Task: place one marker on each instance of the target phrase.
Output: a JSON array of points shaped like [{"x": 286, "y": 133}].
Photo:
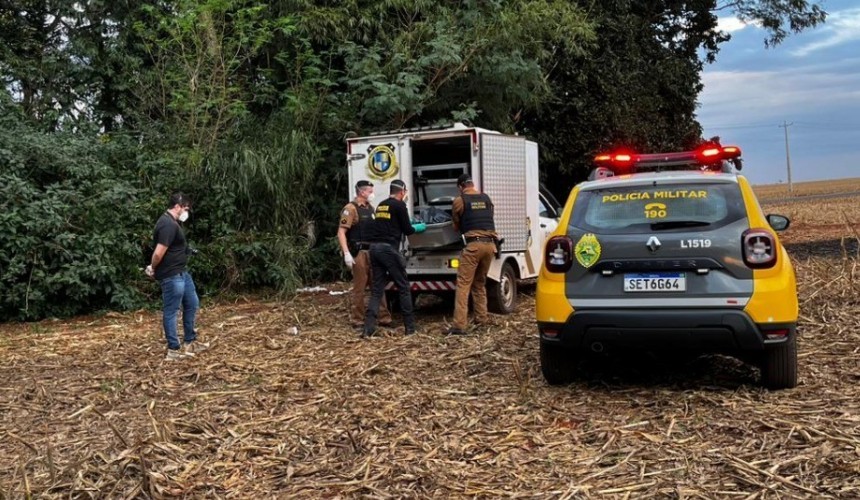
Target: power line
[
  {"x": 828, "y": 128},
  {"x": 726, "y": 127},
  {"x": 785, "y": 125},
  {"x": 804, "y": 124}
]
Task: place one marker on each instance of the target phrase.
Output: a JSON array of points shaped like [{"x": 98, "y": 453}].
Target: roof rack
[{"x": 425, "y": 128}]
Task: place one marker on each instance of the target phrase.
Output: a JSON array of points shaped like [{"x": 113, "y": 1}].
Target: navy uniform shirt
[{"x": 391, "y": 222}]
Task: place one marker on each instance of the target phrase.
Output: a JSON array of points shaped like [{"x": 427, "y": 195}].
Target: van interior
[{"x": 436, "y": 165}]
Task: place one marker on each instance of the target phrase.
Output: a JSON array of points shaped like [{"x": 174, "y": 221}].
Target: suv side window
[{"x": 626, "y": 209}]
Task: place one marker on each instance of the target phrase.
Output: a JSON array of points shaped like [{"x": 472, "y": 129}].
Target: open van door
[{"x": 503, "y": 175}]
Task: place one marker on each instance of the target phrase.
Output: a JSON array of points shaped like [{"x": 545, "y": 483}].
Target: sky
[{"x": 811, "y": 81}]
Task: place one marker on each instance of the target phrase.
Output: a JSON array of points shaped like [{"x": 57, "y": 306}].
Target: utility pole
[{"x": 785, "y": 125}]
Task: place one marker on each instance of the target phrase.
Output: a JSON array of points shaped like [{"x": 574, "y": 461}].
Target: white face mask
[
  {"x": 371, "y": 197},
  {"x": 183, "y": 216}
]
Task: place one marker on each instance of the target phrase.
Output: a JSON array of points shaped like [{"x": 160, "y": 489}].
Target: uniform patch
[
  {"x": 344, "y": 221},
  {"x": 345, "y": 212},
  {"x": 587, "y": 250}
]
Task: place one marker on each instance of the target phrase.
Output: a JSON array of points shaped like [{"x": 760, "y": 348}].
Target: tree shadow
[{"x": 676, "y": 371}]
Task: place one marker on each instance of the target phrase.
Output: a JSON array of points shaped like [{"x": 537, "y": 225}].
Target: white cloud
[
  {"x": 736, "y": 96},
  {"x": 730, "y": 24},
  {"x": 841, "y": 27}
]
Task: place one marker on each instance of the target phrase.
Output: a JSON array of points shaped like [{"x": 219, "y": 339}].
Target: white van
[{"x": 429, "y": 160}]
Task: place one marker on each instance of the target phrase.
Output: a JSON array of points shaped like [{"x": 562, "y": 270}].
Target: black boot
[{"x": 410, "y": 326}]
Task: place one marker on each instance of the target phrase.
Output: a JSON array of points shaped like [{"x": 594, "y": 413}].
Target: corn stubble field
[{"x": 89, "y": 409}]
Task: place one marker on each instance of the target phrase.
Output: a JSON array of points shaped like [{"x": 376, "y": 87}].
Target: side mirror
[{"x": 778, "y": 222}]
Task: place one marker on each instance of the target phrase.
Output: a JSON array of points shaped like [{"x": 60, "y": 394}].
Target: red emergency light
[
  {"x": 617, "y": 162},
  {"x": 706, "y": 156}
]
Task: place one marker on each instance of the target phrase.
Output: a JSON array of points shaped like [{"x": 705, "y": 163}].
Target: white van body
[{"x": 429, "y": 160}]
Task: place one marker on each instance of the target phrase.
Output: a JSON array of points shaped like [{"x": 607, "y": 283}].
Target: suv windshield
[{"x": 658, "y": 208}]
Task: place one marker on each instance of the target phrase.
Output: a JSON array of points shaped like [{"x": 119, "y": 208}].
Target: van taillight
[
  {"x": 759, "y": 248},
  {"x": 558, "y": 254}
]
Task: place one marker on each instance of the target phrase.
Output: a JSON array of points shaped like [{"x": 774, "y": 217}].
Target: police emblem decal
[
  {"x": 382, "y": 162},
  {"x": 587, "y": 250}
]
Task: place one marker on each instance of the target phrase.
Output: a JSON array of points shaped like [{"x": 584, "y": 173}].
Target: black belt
[
  {"x": 483, "y": 239},
  {"x": 361, "y": 246}
]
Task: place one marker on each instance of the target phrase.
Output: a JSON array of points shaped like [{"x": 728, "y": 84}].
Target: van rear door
[{"x": 379, "y": 160}]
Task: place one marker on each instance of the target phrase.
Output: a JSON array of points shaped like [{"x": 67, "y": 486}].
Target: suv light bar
[{"x": 708, "y": 157}]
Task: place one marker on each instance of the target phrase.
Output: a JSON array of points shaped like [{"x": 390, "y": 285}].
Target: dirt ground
[{"x": 88, "y": 408}]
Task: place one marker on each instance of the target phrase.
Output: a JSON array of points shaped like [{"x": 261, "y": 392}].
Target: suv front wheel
[{"x": 779, "y": 364}]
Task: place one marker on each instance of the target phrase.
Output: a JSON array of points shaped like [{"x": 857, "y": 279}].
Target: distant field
[
  {"x": 770, "y": 191},
  {"x": 816, "y": 212}
]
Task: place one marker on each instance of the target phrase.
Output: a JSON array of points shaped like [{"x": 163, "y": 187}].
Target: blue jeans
[{"x": 179, "y": 290}]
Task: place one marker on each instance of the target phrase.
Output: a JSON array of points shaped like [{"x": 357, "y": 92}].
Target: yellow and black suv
[{"x": 668, "y": 251}]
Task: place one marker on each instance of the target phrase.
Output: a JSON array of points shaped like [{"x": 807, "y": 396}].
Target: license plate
[{"x": 655, "y": 282}]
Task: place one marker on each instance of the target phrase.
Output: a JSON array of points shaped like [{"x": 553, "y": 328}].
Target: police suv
[{"x": 668, "y": 251}]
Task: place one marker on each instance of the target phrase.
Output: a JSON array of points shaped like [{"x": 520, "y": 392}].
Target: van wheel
[
  {"x": 779, "y": 365},
  {"x": 502, "y": 294},
  {"x": 557, "y": 364}
]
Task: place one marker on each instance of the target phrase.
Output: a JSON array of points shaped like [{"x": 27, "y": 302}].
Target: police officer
[
  {"x": 390, "y": 224},
  {"x": 352, "y": 235},
  {"x": 472, "y": 213}
]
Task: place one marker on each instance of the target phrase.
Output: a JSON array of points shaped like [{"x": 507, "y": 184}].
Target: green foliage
[
  {"x": 779, "y": 17},
  {"x": 436, "y": 60},
  {"x": 636, "y": 87},
  {"x": 107, "y": 107},
  {"x": 253, "y": 198},
  {"x": 202, "y": 81},
  {"x": 66, "y": 218}
]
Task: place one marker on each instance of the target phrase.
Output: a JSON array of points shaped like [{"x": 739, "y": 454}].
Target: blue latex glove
[{"x": 419, "y": 227}]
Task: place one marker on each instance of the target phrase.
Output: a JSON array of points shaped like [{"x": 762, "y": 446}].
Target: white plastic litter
[{"x": 312, "y": 289}]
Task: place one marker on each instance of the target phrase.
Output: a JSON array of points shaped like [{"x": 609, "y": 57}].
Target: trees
[
  {"x": 68, "y": 215},
  {"x": 778, "y": 17},
  {"x": 68, "y": 63},
  {"x": 245, "y": 103},
  {"x": 638, "y": 85}
]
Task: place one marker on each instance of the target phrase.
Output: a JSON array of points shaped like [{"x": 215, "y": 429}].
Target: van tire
[
  {"x": 502, "y": 294},
  {"x": 558, "y": 364},
  {"x": 779, "y": 364}
]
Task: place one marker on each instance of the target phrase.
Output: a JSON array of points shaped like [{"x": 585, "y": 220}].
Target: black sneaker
[
  {"x": 367, "y": 333},
  {"x": 455, "y": 331}
]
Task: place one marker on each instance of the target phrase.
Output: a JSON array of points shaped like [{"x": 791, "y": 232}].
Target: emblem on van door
[
  {"x": 587, "y": 250},
  {"x": 653, "y": 244},
  {"x": 381, "y": 162}
]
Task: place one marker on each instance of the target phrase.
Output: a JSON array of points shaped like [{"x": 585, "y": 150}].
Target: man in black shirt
[
  {"x": 385, "y": 232},
  {"x": 168, "y": 267}
]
